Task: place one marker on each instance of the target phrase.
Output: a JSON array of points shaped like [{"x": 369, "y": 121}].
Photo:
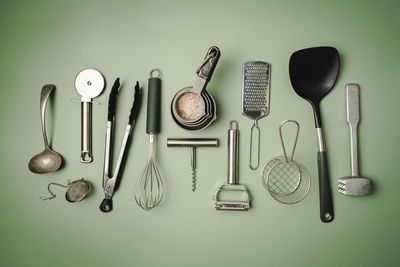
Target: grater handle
[{"x": 254, "y": 129}]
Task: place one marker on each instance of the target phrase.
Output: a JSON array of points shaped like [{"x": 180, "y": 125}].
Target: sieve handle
[
  {"x": 233, "y": 153},
  {"x": 153, "y": 105}
]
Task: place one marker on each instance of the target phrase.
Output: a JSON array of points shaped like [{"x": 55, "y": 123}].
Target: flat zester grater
[{"x": 255, "y": 98}]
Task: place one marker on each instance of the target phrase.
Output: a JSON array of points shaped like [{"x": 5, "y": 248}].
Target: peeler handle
[{"x": 233, "y": 153}]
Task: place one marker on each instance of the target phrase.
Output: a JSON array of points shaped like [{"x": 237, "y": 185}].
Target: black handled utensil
[
  {"x": 111, "y": 180},
  {"x": 313, "y": 73}
]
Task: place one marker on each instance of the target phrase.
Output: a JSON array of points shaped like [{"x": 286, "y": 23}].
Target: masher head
[
  {"x": 355, "y": 186},
  {"x": 232, "y": 197}
]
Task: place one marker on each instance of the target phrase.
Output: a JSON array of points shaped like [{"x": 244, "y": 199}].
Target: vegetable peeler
[
  {"x": 110, "y": 182},
  {"x": 232, "y": 196}
]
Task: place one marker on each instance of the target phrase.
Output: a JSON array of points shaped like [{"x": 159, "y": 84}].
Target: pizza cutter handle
[{"x": 86, "y": 132}]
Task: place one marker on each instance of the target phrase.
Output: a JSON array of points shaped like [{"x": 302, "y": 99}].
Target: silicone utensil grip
[
  {"x": 136, "y": 104},
  {"x": 153, "y": 106},
  {"x": 112, "y": 100},
  {"x": 325, "y": 194}
]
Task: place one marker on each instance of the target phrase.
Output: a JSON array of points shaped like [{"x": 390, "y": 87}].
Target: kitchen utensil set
[{"x": 313, "y": 73}]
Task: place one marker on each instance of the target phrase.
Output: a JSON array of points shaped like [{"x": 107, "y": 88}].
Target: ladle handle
[
  {"x": 44, "y": 96},
  {"x": 86, "y": 132}
]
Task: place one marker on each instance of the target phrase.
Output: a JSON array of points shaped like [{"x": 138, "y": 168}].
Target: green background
[{"x": 51, "y": 41}]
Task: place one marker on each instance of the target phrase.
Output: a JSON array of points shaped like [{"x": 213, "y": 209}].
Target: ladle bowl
[{"x": 47, "y": 161}]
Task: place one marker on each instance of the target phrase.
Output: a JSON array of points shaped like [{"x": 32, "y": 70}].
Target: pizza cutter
[{"x": 89, "y": 83}]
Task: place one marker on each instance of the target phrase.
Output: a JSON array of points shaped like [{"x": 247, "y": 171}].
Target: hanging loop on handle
[
  {"x": 256, "y": 129},
  {"x": 295, "y": 141}
]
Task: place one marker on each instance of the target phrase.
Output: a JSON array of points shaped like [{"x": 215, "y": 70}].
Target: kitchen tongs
[{"x": 110, "y": 183}]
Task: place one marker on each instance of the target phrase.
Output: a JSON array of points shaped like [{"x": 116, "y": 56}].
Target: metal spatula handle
[{"x": 353, "y": 118}]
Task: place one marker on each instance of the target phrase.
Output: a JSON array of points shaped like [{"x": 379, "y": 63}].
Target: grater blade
[{"x": 255, "y": 89}]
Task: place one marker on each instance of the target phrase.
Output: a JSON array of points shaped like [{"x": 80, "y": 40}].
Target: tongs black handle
[
  {"x": 137, "y": 100},
  {"x": 112, "y": 100},
  {"x": 207, "y": 68}
]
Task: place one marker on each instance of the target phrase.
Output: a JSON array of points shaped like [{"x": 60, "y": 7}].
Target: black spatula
[{"x": 313, "y": 72}]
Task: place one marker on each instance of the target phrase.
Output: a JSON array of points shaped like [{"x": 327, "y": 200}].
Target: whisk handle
[{"x": 153, "y": 105}]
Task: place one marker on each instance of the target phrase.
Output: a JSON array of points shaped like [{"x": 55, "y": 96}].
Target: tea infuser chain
[{"x": 51, "y": 193}]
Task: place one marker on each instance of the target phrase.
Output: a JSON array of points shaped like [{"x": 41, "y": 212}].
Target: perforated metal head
[
  {"x": 255, "y": 89},
  {"x": 77, "y": 190}
]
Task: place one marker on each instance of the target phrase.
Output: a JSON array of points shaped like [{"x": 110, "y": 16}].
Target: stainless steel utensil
[
  {"x": 89, "y": 83},
  {"x": 285, "y": 179},
  {"x": 193, "y": 108},
  {"x": 48, "y": 160},
  {"x": 313, "y": 73},
  {"x": 111, "y": 181},
  {"x": 232, "y": 195},
  {"x": 193, "y": 143},
  {"x": 149, "y": 187},
  {"x": 255, "y": 99},
  {"x": 76, "y": 190},
  {"x": 354, "y": 185}
]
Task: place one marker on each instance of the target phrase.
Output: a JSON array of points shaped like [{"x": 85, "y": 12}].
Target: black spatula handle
[{"x": 325, "y": 194}]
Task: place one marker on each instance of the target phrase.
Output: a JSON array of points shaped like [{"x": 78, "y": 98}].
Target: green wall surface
[{"x": 51, "y": 41}]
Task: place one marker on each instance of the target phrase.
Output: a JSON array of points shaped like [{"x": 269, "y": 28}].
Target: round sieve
[{"x": 286, "y": 180}]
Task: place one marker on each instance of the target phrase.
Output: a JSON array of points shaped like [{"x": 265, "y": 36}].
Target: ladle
[
  {"x": 48, "y": 160},
  {"x": 313, "y": 73}
]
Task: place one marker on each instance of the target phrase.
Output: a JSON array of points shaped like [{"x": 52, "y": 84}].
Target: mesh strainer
[
  {"x": 76, "y": 190},
  {"x": 286, "y": 180}
]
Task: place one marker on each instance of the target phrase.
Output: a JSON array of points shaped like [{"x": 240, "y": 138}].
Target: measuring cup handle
[
  {"x": 207, "y": 68},
  {"x": 86, "y": 133}
]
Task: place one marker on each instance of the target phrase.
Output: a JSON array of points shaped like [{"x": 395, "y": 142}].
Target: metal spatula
[{"x": 255, "y": 99}]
